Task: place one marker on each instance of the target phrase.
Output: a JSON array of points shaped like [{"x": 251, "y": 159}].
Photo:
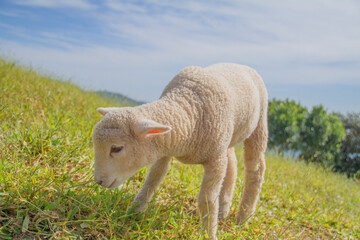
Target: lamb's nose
[{"x": 99, "y": 182}]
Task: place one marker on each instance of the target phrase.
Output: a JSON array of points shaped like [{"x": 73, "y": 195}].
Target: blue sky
[{"x": 307, "y": 50}]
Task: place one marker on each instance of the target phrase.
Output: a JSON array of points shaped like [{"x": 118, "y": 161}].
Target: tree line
[{"x": 329, "y": 139}]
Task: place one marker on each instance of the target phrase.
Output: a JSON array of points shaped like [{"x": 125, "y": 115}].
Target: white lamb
[{"x": 202, "y": 114}]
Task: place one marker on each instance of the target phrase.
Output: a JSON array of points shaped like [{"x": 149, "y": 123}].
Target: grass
[{"x": 47, "y": 188}]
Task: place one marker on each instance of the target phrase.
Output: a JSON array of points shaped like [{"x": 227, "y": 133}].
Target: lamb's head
[{"x": 123, "y": 144}]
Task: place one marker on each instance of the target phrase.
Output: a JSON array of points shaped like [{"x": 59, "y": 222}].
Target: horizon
[{"x": 307, "y": 52}]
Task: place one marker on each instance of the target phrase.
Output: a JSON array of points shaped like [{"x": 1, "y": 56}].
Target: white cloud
[
  {"x": 285, "y": 33},
  {"x": 9, "y": 13},
  {"x": 123, "y": 6},
  {"x": 297, "y": 42},
  {"x": 79, "y": 4},
  {"x": 306, "y": 31}
]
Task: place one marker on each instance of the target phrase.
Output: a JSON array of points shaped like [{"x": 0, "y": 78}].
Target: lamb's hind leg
[
  {"x": 156, "y": 174},
  {"x": 227, "y": 190},
  {"x": 254, "y": 162}
]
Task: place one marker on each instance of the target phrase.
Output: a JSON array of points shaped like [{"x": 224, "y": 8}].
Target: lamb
[{"x": 201, "y": 115}]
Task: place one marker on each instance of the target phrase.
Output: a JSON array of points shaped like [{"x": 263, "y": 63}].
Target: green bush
[
  {"x": 349, "y": 162},
  {"x": 321, "y": 137},
  {"x": 286, "y": 119},
  {"x": 315, "y": 135}
]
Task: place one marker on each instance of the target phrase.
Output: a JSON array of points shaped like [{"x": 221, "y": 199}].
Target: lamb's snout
[
  {"x": 107, "y": 182},
  {"x": 102, "y": 181}
]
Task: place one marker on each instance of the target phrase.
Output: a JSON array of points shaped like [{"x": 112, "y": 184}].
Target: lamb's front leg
[
  {"x": 156, "y": 174},
  {"x": 208, "y": 200}
]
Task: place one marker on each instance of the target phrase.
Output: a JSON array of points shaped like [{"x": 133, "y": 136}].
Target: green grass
[{"x": 47, "y": 188}]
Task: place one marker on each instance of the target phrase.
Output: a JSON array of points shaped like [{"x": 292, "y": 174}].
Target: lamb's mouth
[{"x": 113, "y": 184}]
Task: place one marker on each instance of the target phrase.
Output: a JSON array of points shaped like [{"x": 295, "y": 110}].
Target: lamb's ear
[
  {"x": 148, "y": 127},
  {"x": 104, "y": 111}
]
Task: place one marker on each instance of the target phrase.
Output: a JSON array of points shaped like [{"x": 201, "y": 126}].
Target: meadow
[{"x": 47, "y": 189}]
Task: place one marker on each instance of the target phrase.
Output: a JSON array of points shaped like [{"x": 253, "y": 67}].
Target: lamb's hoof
[
  {"x": 222, "y": 216},
  {"x": 137, "y": 208},
  {"x": 224, "y": 211},
  {"x": 240, "y": 220},
  {"x": 242, "y": 217}
]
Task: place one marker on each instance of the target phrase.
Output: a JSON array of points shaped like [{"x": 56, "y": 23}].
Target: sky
[{"x": 308, "y": 51}]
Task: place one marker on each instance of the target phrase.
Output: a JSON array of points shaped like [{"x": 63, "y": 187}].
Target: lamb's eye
[{"x": 116, "y": 149}]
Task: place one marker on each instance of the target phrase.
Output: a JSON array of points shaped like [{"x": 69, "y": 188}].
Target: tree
[
  {"x": 321, "y": 137},
  {"x": 286, "y": 119},
  {"x": 349, "y": 161}
]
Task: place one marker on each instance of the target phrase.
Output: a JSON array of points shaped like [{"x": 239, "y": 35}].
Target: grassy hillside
[{"x": 47, "y": 188}]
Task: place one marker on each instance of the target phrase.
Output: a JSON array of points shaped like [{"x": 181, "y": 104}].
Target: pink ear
[
  {"x": 152, "y": 131},
  {"x": 148, "y": 127},
  {"x": 102, "y": 111}
]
